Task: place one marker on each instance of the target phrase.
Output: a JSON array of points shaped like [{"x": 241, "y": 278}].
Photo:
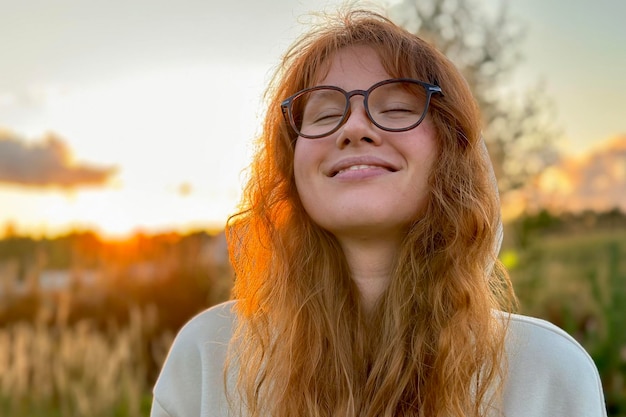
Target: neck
[{"x": 371, "y": 263}]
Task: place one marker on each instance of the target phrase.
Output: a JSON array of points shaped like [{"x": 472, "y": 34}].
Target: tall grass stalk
[{"x": 76, "y": 370}]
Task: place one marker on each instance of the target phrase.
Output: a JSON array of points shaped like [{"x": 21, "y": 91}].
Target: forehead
[{"x": 352, "y": 67}]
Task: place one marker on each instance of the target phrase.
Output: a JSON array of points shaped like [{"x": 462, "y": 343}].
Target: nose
[{"x": 358, "y": 128}]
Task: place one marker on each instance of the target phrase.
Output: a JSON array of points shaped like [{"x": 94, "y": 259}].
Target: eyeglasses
[{"x": 395, "y": 105}]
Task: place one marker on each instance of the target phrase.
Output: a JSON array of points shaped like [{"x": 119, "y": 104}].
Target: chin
[{"x": 366, "y": 227}]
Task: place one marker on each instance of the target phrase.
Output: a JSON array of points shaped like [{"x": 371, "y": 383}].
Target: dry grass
[
  {"x": 94, "y": 347},
  {"x": 76, "y": 370}
]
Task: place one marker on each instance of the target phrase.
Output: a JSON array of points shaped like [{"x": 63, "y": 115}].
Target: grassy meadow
[
  {"x": 93, "y": 345},
  {"x": 575, "y": 277},
  {"x": 90, "y": 342}
]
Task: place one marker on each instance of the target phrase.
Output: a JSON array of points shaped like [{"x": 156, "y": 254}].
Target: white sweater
[{"x": 550, "y": 374}]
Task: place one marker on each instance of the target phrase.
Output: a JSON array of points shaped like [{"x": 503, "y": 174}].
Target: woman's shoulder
[
  {"x": 191, "y": 379},
  {"x": 545, "y": 340},
  {"x": 213, "y": 325},
  {"x": 549, "y": 370}
]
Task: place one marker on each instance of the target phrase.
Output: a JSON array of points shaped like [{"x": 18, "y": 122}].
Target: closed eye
[
  {"x": 325, "y": 118},
  {"x": 399, "y": 109}
]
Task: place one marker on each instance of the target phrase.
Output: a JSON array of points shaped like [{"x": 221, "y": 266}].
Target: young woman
[{"x": 367, "y": 282}]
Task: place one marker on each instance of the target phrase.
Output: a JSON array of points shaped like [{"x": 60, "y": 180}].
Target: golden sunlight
[
  {"x": 555, "y": 181},
  {"x": 178, "y": 139}
]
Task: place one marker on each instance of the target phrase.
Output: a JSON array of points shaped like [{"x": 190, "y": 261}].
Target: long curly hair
[{"x": 434, "y": 343}]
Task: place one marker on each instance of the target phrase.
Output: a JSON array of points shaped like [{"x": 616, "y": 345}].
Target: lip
[{"x": 370, "y": 161}]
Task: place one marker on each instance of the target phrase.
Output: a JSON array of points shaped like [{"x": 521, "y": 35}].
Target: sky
[{"x": 123, "y": 115}]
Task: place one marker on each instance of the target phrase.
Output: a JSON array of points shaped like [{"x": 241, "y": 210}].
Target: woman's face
[{"x": 362, "y": 181}]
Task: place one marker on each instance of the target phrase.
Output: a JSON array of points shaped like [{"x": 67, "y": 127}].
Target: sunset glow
[
  {"x": 162, "y": 134},
  {"x": 151, "y": 126}
]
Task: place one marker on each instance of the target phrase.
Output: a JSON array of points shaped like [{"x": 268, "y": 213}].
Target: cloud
[
  {"x": 595, "y": 181},
  {"x": 47, "y": 162}
]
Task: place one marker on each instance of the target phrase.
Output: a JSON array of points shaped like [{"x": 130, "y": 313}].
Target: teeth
[{"x": 355, "y": 168}]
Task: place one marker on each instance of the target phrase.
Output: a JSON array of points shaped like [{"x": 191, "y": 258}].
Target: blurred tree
[{"x": 518, "y": 128}]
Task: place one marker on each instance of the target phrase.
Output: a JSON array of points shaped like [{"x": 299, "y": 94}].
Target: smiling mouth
[{"x": 360, "y": 168}]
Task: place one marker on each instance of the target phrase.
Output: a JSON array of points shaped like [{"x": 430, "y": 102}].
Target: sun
[{"x": 179, "y": 138}]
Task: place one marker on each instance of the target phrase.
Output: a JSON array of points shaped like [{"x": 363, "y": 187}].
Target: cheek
[
  {"x": 306, "y": 171},
  {"x": 298, "y": 161},
  {"x": 301, "y": 170}
]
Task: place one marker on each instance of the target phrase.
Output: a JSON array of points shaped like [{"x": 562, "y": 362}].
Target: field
[
  {"x": 92, "y": 346},
  {"x": 579, "y": 283},
  {"x": 86, "y": 325}
]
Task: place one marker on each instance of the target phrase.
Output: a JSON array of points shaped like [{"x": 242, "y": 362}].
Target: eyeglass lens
[{"x": 393, "y": 106}]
